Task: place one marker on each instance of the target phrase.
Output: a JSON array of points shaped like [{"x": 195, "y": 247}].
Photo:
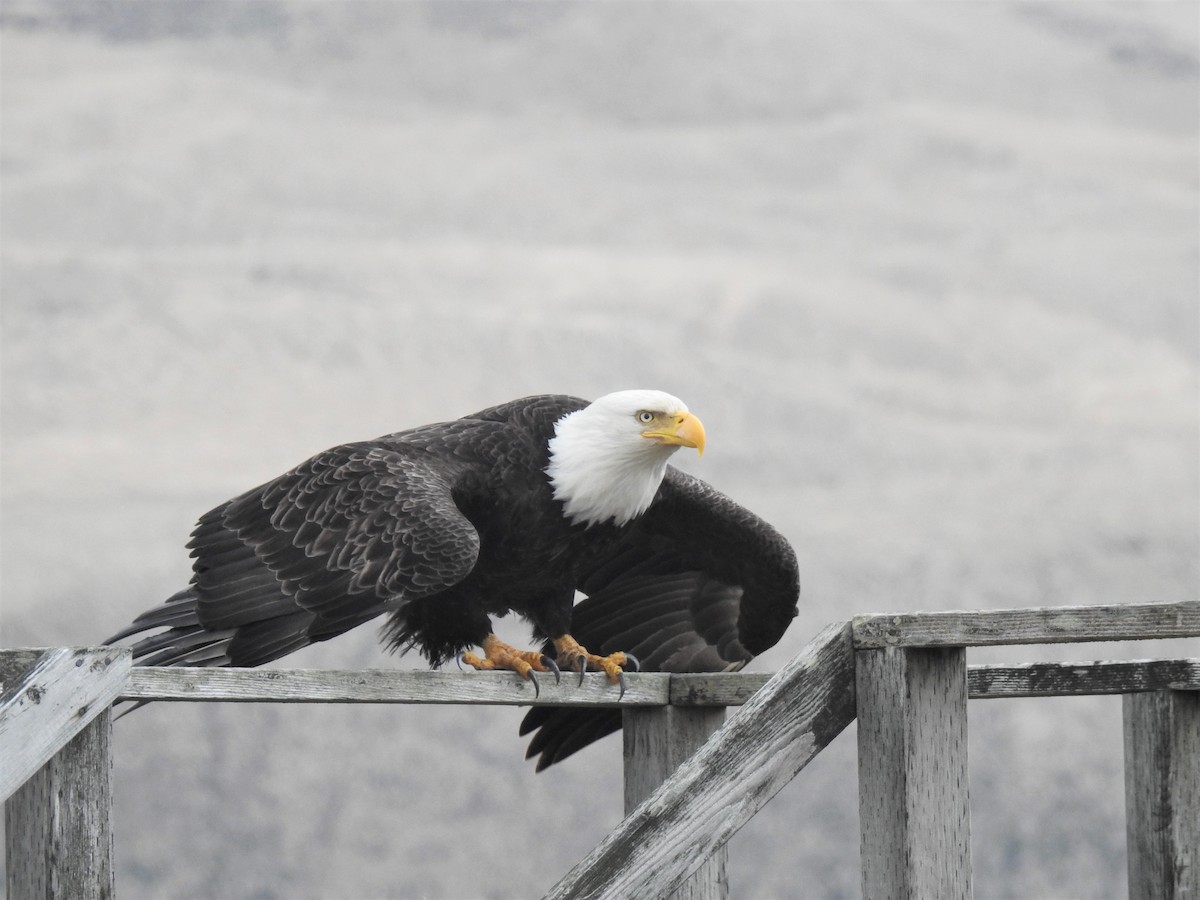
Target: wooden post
[
  {"x": 58, "y": 824},
  {"x": 657, "y": 741},
  {"x": 1162, "y": 794},
  {"x": 912, "y": 773}
]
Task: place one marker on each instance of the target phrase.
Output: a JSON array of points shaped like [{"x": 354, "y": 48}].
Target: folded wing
[
  {"x": 352, "y": 532},
  {"x": 700, "y": 585}
]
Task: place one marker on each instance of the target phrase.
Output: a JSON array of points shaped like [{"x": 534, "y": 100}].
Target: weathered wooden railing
[{"x": 690, "y": 782}]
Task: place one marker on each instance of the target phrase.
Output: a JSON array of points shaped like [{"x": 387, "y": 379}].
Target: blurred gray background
[{"x": 927, "y": 271}]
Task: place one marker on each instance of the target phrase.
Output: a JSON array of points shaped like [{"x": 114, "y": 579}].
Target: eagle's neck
[{"x": 603, "y": 474}]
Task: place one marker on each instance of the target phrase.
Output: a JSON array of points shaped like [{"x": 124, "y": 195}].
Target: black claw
[
  {"x": 458, "y": 661},
  {"x": 553, "y": 667},
  {"x": 621, "y": 682},
  {"x": 582, "y": 663},
  {"x": 536, "y": 690},
  {"x": 631, "y": 663}
]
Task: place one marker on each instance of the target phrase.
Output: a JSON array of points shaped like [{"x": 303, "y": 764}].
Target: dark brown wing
[
  {"x": 700, "y": 585},
  {"x": 350, "y": 533}
]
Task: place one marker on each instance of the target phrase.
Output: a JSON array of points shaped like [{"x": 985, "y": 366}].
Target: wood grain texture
[
  {"x": 912, "y": 773},
  {"x": 723, "y": 689},
  {"x": 656, "y": 742},
  {"x": 1039, "y": 625},
  {"x": 58, "y": 824},
  {"x": 389, "y": 686},
  {"x": 760, "y": 749},
  {"x": 51, "y": 702},
  {"x": 1162, "y": 794}
]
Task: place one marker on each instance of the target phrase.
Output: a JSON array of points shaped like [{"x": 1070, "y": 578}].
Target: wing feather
[{"x": 347, "y": 535}]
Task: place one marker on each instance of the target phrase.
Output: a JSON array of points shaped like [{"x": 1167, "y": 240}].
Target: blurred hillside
[{"x": 928, "y": 272}]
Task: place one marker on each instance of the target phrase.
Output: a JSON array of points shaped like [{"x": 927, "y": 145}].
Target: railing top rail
[
  {"x": 645, "y": 689},
  {"x": 1034, "y": 625},
  {"x": 391, "y": 686}
]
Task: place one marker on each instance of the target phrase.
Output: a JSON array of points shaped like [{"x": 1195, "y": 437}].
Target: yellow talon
[
  {"x": 570, "y": 653},
  {"x": 499, "y": 655}
]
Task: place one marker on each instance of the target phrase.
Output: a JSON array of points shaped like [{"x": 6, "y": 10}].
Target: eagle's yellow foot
[
  {"x": 574, "y": 657},
  {"x": 499, "y": 655}
]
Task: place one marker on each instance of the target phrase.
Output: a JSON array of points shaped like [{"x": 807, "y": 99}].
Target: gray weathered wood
[
  {"x": 389, "y": 686},
  {"x": 51, "y": 702},
  {"x": 58, "y": 824},
  {"x": 760, "y": 749},
  {"x": 912, "y": 773},
  {"x": 1162, "y": 794},
  {"x": 1061, "y": 679},
  {"x": 657, "y": 742},
  {"x": 1035, "y": 625}
]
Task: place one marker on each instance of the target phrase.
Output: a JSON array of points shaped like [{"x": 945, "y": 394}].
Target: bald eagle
[{"x": 512, "y": 509}]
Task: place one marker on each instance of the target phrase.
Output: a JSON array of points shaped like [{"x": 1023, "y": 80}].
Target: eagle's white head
[{"x": 608, "y": 459}]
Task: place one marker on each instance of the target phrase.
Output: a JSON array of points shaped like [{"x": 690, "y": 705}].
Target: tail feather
[
  {"x": 185, "y": 642},
  {"x": 188, "y": 641},
  {"x": 560, "y": 731},
  {"x": 178, "y": 609},
  {"x": 206, "y": 654},
  {"x": 181, "y": 640}
]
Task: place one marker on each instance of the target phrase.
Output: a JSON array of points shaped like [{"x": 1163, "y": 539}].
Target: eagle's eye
[{"x": 645, "y": 417}]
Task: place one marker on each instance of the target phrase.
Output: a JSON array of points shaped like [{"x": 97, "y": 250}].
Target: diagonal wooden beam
[
  {"x": 51, "y": 701},
  {"x": 760, "y": 749}
]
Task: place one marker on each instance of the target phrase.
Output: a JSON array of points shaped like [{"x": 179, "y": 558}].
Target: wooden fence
[{"x": 690, "y": 781}]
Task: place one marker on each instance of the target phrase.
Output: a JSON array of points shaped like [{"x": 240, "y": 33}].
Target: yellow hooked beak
[{"x": 681, "y": 430}]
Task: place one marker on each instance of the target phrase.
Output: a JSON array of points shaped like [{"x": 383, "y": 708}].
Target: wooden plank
[
  {"x": 912, "y": 773},
  {"x": 51, "y": 703},
  {"x": 657, "y": 741},
  {"x": 1162, "y": 794},
  {"x": 1039, "y": 625},
  {"x": 389, "y": 686},
  {"x": 58, "y": 824},
  {"x": 760, "y": 749},
  {"x": 1081, "y": 678}
]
